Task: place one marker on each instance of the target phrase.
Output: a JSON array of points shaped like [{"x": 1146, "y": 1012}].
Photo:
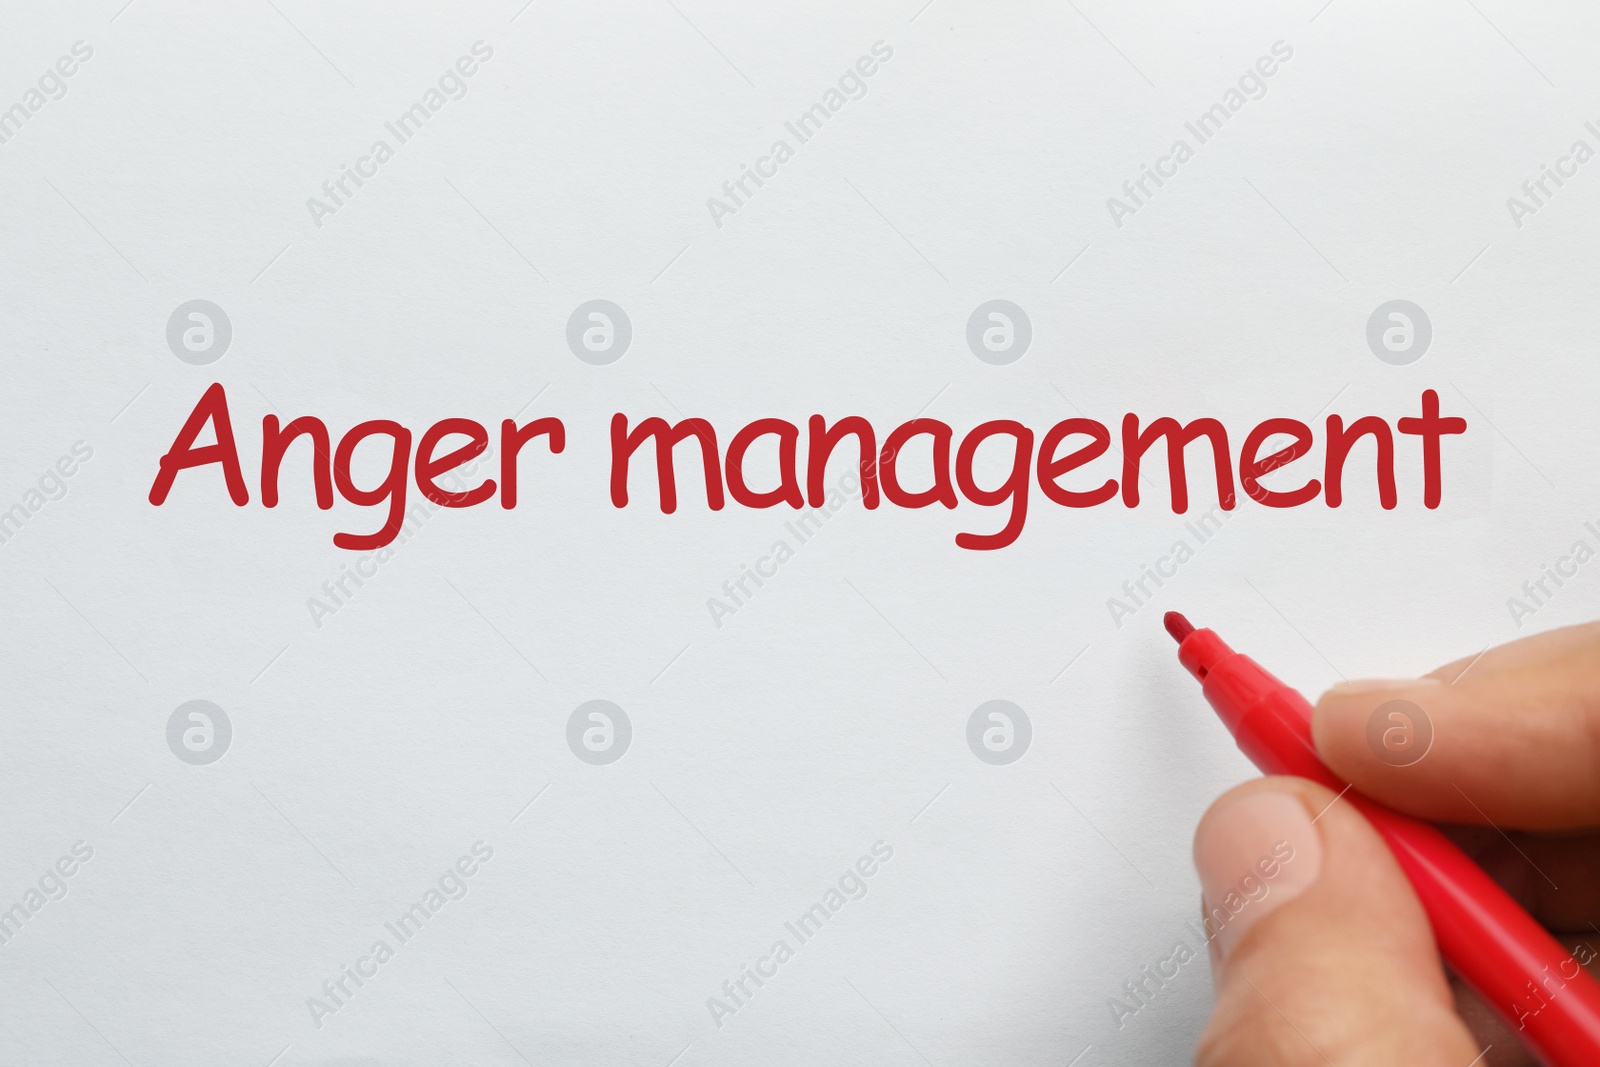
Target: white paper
[{"x": 375, "y": 742}]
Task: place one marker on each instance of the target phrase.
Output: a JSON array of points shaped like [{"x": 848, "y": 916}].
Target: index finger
[{"x": 1511, "y": 740}]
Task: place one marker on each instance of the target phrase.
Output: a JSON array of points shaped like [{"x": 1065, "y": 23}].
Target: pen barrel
[
  {"x": 1513, "y": 964},
  {"x": 1270, "y": 722},
  {"x": 1538, "y": 987}
]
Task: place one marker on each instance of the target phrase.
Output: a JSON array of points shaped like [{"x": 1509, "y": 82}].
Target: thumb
[{"x": 1321, "y": 952}]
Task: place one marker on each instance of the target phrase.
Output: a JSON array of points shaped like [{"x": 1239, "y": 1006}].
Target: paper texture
[{"x": 420, "y": 722}]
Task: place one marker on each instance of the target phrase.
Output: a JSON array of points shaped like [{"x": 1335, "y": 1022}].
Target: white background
[{"x": 830, "y": 710}]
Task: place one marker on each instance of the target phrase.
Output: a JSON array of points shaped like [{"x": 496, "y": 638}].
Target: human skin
[{"x": 1337, "y": 964}]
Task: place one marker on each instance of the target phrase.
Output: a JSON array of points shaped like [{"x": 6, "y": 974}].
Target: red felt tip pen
[{"x": 1507, "y": 958}]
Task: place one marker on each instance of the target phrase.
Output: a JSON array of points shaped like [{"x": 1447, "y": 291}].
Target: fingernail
[
  {"x": 1379, "y": 686},
  {"x": 1254, "y": 854},
  {"x": 1389, "y": 713}
]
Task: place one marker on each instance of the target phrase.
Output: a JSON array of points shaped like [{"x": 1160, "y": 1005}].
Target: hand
[{"x": 1326, "y": 957}]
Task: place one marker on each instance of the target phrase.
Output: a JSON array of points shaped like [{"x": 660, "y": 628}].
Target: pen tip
[{"x": 1178, "y": 626}]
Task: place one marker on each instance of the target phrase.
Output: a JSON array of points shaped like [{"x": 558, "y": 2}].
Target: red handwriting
[{"x": 1013, "y": 465}]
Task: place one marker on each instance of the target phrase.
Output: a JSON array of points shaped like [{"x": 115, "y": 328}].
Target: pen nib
[{"x": 1178, "y": 626}]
